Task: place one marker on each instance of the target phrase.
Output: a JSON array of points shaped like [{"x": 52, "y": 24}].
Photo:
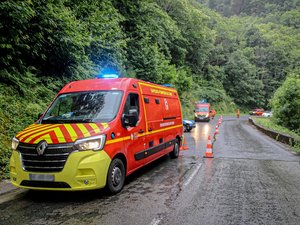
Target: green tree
[
  {"x": 43, "y": 38},
  {"x": 193, "y": 24},
  {"x": 241, "y": 83},
  {"x": 250, "y": 7},
  {"x": 286, "y": 102},
  {"x": 108, "y": 42},
  {"x": 153, "y": 39}
]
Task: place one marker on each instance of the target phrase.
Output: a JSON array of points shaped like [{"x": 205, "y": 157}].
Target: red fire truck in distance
[
  {"x": 95, "y": 133},
  {"x": 202, "y": 112}
]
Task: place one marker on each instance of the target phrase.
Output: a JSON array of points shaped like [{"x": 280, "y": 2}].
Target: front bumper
[
  {"x": 84, "y": 170},
  {"x": 201, "y": 118}
]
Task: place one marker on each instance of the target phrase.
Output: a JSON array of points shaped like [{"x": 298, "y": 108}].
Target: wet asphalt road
[{"x": 252, "y": 179}]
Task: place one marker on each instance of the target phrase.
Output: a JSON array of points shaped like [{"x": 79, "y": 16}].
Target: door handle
[
  {"x": 141, "y": 131},
  {"x": 150, "y": 129}
]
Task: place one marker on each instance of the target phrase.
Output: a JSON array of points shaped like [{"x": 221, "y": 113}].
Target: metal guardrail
[{"x": 284, "y": 138}]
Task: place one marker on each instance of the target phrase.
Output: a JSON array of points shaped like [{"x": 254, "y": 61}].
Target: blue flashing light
[
  {"x": 110, "y": 76},
  {"x": 203, "y": 100},
  {"x": 167, "y": 85},
  {"x": 108, "y": 73}
]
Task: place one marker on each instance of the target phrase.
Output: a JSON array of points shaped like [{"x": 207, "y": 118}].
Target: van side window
[{"x": 132, "y": 102}]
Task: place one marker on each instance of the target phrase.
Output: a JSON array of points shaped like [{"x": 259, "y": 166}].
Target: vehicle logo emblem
[{"x": 40, "y": 148}]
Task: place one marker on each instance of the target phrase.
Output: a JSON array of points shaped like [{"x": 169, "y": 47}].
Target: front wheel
[
  {"x": 116, "y": 176},
  {"x": 175, "y": 153}
]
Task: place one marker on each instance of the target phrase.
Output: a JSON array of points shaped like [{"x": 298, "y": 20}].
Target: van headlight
[
  {"x": 91, "y": 143},
  {"x": 14, "y": 143}
]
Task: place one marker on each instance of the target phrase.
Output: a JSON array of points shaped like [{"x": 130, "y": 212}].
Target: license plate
[{"x": 41, "y": 177}]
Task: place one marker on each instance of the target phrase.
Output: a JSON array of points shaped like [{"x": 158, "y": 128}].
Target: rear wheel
[
  {"x": 175, "y": 153},
  {"x": 116, "y": 176}
]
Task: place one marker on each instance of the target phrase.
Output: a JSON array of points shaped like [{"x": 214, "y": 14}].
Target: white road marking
[
  {"x": 156, "y": 221},
  {"x": 192, "y": 175}
]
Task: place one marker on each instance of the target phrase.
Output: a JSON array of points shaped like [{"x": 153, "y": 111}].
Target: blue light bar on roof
[
  {"x": 108, "y": 73},
  {"x": 167, "y": 85},
  {"x": 110, "y": 76}
]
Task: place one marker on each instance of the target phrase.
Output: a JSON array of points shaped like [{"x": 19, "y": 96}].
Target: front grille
[
  {"x": 52, "y": 160},
  {"x": 44, "y": 184}
]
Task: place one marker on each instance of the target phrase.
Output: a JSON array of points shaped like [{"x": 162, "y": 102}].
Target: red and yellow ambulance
[{"x": 95, "y": 133}]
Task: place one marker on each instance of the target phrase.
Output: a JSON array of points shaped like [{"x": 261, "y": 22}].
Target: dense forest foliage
[
  {"x": 252, "y": 7},
  {"x": 235, "y": 53}
]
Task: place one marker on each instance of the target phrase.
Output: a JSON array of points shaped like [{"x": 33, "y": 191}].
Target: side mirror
[{"x": 130, "y": 119}]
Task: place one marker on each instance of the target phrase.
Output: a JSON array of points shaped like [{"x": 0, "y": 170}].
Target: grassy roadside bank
[{"x": 270, "y": 124}]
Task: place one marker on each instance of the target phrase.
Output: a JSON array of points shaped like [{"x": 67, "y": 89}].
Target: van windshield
[
  {"x": 202, "y": 109},
  {"x": 84, "y": 107}
]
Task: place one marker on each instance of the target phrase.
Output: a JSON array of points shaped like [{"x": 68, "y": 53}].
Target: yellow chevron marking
[
  {"x": 59, "y": 135},
  {"x": 39, "y": 133},
  {"x": 83, "y": 130},
  {"x": 44, "y": 137},
  {"x": 95, "y": 127},
  {"x": 105, "y": 125},
  {"x": 31, "y": 127},
  {"x": 38, "y": 126},
  {"x": 33, "y": 130},
  {"x": 71, "y": 131}
]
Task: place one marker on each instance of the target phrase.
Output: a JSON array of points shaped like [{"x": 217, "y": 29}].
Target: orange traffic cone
[
  {"x": 220, "y": 121},
  {"x": 217, "y": 130},
  {"x": 184, "y": 145},
  {"x": 208, "y": 152}
]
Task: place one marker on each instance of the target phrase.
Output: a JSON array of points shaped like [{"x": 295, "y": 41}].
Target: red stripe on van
[{"x": 77, "y": 130}]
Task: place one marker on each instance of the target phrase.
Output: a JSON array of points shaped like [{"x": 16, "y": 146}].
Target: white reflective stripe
[{"x": 192, "y": 175}]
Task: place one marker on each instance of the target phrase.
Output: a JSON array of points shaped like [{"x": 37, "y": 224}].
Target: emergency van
[
  {"x": 95, "y": 133},
  {"x": 202, "y": 112}
]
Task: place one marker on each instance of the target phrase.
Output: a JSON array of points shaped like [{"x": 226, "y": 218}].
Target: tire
[
  {"x": 115, "y": 176},
  {"x": 188, "y": 127},
  {"x": 175, "y": 153}
]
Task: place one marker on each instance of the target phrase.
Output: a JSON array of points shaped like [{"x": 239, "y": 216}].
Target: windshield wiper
[
  {"x": 60, "y": 121},
  {"x": 53, "y": 121},
  {"x": 79, "y": 121}
]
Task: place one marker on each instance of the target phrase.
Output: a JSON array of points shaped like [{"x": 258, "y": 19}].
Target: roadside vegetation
[
  {"x": 286, "y": 103},
  {"x": 236, "y": 54},
  {"x": 269, "y": 123}
]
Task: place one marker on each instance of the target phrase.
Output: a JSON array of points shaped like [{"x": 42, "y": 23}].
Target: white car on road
[{"x": 267, "y": 114}]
